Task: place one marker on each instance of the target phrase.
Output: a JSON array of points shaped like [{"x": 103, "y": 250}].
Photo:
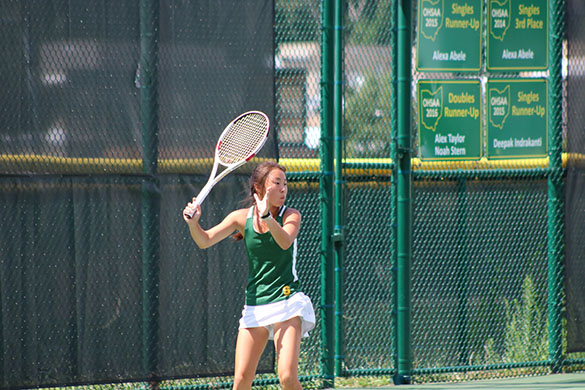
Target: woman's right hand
[{"x": 191, "y": 208}]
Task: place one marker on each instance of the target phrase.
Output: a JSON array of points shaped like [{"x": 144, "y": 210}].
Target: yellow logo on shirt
[{"x": 286, "y": 291}]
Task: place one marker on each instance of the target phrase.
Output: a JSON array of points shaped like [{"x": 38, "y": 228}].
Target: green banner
[
  {"x": 449, "y": 35},
  {"x": 517, "y": 35},
  {"x": 517, "y": 118},
  {"x": 449, "y": 119}
]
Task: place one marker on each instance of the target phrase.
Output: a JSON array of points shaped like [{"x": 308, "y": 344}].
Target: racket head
[{"x": 242, "y": 138}]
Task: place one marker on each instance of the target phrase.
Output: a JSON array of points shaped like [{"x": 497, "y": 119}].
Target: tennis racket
[{"x": 237, "y": 144}]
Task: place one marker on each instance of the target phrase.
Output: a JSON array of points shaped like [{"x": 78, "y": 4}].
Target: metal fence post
[
  {"x": 147, "y": 79},
  {"x": 326, "y": 194},
  {"x": 339, "y": 186},
  {"x": 555, "y": 187},
  {"x": 404, "y": 194}
]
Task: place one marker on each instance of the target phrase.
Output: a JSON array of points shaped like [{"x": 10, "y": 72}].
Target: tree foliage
[{"x": 368, "y": 117}]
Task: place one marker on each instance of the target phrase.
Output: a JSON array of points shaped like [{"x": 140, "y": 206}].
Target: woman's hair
[{"x": 258, "y": 178}]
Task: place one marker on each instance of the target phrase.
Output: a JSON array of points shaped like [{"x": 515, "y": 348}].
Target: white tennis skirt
[{"x": 298, "y": 305}]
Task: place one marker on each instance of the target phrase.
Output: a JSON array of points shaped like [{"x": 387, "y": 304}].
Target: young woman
[{"x": 275, "y": 307}]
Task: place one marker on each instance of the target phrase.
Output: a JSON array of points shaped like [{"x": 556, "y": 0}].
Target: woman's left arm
[{"x": 285, "y": 235}]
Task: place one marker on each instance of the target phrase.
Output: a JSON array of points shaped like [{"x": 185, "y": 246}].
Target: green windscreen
[{"x": 100, "y": 280}]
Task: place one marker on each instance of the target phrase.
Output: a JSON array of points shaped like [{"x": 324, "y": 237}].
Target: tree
[
  {"x": 369, "y": 22},
  {"x": 368, "y": 118}
]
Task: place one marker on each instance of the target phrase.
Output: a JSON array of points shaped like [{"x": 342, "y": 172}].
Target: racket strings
[{"x": 243, "y": 138}]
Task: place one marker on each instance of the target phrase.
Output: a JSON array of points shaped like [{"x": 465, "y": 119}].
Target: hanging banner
[
  {"x": 517, "y": 36},
  {"x": 517, "y": 118},
  {"x": 449, "y": 35},
  {"x": 449, "y": 119}
]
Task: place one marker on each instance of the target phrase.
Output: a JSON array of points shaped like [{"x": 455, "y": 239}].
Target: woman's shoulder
[
  {"x": 289, "y": 211},
  {"x": 239, "y": 213},
  {"x": 238, "y": 216}
]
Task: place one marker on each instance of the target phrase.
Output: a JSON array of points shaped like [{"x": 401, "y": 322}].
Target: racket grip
[{"x": 199, "y": 199}]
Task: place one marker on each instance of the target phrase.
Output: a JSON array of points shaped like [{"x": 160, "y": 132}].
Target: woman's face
[{"x": 277, "y": 185}]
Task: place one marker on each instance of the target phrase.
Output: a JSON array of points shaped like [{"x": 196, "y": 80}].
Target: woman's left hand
[{"x": 262, "y": 204}]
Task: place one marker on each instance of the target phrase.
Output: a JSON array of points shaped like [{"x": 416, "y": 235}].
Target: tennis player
[{"x": 275, "y": 309}]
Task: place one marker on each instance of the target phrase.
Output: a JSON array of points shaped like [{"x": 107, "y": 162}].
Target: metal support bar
[
  {"x": 338, "y": 235},
  {"x": 404, "y": 195},
  {"x": 147, "y": 80},
  {"x": 327, "y": 306},
  {"x": 555, "y": 187}
]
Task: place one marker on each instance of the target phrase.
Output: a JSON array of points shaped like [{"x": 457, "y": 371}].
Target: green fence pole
[
  {"x": 393, "y": 345},
  {"x": 339, "y": 185},
  {"x": 147, "y": 79},
  {"x": 404, "y": 195},
  {"x": 326, "y": 193},
  {"x": 555, "y": 187}
]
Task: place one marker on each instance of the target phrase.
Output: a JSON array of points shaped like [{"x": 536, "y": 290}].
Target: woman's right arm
[{"x": 236, "y": 220}]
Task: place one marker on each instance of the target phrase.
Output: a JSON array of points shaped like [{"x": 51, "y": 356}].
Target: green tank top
[{"x": 272, "y": 276}]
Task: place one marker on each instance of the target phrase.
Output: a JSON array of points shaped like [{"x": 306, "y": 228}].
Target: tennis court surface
[{"x": 571, "y": 381}]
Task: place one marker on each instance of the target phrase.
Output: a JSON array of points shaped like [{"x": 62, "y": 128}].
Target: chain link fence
[{"x": 108, "y": 123}]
